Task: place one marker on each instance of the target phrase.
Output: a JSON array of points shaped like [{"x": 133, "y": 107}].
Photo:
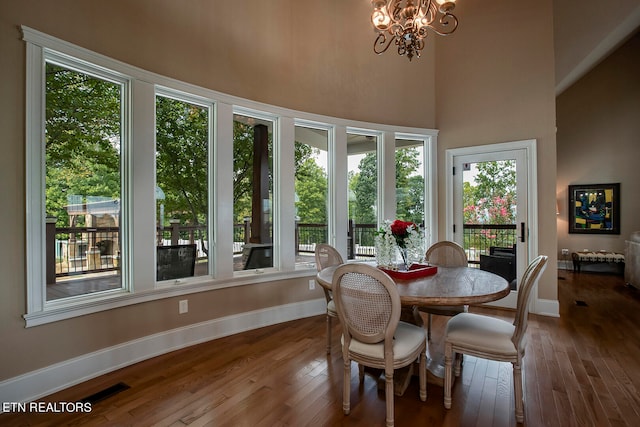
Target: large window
[
  {"x": 252, "y": 193},
  {"x": 182, "y": 187},
  {"x": 362, "y": 175},
  {"x": 130, "y": 174},
  {"x": 410, "y": 181},
  {"x": 311, "y": 190},
  {"x": 83, "y": 179}
]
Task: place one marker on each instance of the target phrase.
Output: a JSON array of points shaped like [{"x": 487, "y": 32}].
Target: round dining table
[{"x": 448, "y": 286}]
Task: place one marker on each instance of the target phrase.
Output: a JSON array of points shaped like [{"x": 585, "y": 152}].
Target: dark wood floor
[{"x": 582, "y": 369}]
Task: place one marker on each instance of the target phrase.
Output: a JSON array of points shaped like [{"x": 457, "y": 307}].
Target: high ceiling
[{"x": 587, "y": 31}]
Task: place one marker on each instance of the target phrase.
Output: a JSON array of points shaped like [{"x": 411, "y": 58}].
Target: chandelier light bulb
[
  {"x": 446, "y": 5},
  {"x": 380, "y": 19}
]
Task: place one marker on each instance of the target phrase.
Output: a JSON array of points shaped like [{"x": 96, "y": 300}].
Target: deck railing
[
  {"x": 77, "y": 250},
  {"x": 479, "y": 238}
]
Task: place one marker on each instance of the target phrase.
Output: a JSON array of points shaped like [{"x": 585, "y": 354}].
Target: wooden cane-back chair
[
  {"x": 491, "y": 338},
  {"x": 368, "y": 306},
  {"x": 444, "y": 254},
  {"x": 326, "y": 256}
]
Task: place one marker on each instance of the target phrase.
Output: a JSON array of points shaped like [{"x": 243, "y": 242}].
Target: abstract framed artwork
[{"x": 594, "y": 208}]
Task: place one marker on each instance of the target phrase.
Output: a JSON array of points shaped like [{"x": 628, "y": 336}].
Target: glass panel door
[{"x": 490, "y": 210}]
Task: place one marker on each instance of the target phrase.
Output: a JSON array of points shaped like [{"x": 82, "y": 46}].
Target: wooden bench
[{"x": 592, "y": 257}]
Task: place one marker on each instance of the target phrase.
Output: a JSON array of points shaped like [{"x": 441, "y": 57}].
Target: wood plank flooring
[{"x": 582, "y": 369}]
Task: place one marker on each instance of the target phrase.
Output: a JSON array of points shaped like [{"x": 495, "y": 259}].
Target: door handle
[{"x": 522, "y": 231}]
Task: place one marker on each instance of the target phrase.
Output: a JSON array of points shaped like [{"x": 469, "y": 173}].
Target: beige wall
[
  {"x": 495, "y": 79},
  {"x": 598, "y": 142},
  {"x": 290, "y": 53},
  {"x": 495, "y": 83}
]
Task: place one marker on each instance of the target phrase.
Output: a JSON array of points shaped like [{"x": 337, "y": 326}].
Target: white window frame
[
  {"x": 138, "y": 233},
  {"x": 429, "y": 172},
  {"x": 278, "y": 180},
  {"x": 331, "y": 182},
  {"x": 210, "y": 106},
  {"x": 37, "y": 57}
]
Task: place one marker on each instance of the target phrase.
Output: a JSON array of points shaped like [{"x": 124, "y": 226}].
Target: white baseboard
[
  {"x": 547, "y": 307},
  {"x": 543, "y": 307},
  {"x": 42, "y": 382}
]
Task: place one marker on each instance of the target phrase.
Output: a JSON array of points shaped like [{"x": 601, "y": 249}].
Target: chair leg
[
  {"x": 423, "y": 377},
  {"x": 389, "y": 396},
  {"x": 346, "y": 387},
  {"x": 429, "y": 327},
  {"x": 458, "y": 364},
  {"x": 448, "y": 374},
  {"x": 517, "y": 386},
  {"x": 329, "y": 334}
]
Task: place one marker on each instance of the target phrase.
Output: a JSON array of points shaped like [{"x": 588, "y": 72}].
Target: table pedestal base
[{"x": 402, "y": 376}]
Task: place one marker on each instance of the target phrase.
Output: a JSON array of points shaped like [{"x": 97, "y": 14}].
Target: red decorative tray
[{"x": 415, "y": 271}]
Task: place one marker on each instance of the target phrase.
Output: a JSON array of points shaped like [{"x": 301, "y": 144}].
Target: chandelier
[{"x": 406, "y": 22}]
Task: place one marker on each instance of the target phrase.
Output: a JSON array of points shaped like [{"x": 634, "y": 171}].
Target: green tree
[
  {"x": 491, "y": 198},
  {"x": 242, "y": 170},
  {"x": 243, "y": 167},
  {"x": 82, "y": 139},
  {"x": 83, "y": 115},
  {"x": 182, "y": 148},
  {"x": 363, "y": 185},
  {"x": 409, "y": 186},
  {"x": 311, "y": 189}
]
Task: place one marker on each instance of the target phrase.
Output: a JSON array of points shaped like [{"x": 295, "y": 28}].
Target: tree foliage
[
  {"x": 311, "y": 187},
  {"x": 182, "y": 157},
  {"x": 363, "y": 187},
  {"x": 83, "y": 132},
  {"x": 243, "y": 169},
  {"x": 491, "y": 198},
  {"x": 409, "y": 186},
  {"x": 82, "y": 139}
]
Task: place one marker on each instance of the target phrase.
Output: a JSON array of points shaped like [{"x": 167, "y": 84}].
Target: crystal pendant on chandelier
[{"x": 407, "y": 22}]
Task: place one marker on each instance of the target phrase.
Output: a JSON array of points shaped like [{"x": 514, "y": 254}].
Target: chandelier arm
[
  {"x": 380, "y": 41},
  {"x": 445, "y": 21}
]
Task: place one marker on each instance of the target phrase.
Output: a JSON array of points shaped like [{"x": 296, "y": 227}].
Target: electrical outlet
[
  {"x": 312, "y": 284},
  {"x": 565, "y": 252},
  {"x": 183, "y": 306}
]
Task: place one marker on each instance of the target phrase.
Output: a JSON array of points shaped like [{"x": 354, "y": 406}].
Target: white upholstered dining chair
[
  {"x": 368, "y": 306},
  {"x": 444, "y": 254},
  {"x": 491, "y": 338},
  {"x": 326, "y": 256}
]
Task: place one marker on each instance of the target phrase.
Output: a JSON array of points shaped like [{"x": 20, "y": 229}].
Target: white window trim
[
  {"x": 331, "y": 182},
  {"x": 141, "y": 274},
  {"x": 429, "y": 172},
  {"x": 209, "y": 105},
  {"x": 35, "y": 131}
]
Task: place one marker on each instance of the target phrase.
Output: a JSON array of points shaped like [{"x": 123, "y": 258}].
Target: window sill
[{"x": 74, "y": 307}]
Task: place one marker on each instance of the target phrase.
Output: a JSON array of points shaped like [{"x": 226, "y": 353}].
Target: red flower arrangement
[
  {"x": 403, "y": 236},
  {"x": 400, "y": 230}
]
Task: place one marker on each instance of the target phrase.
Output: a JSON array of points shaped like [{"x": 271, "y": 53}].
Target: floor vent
[
  {"x": 581, "y": 303},
  {"x": 106, "y": 393}
]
